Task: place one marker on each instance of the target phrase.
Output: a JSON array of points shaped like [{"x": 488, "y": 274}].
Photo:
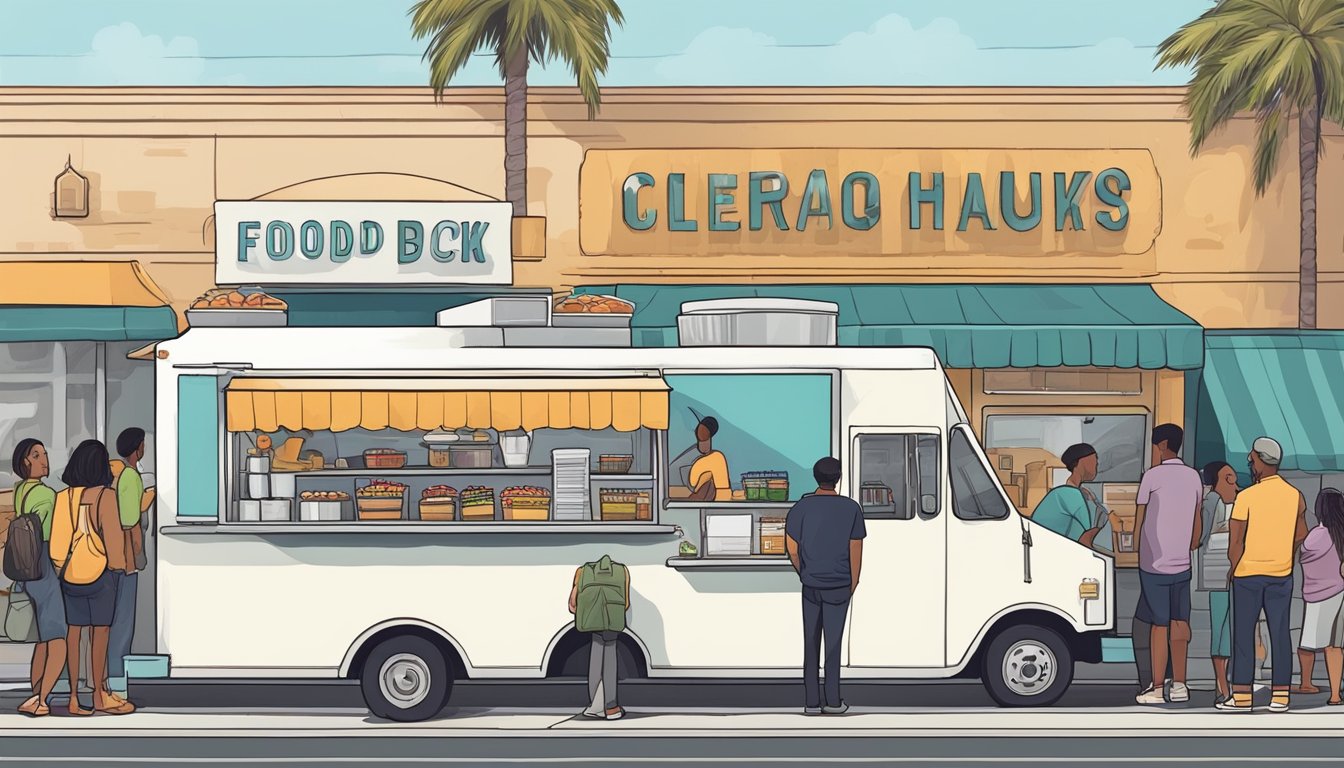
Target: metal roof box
[
  {"x": 757, "y": 322},
  {"x": 498, "y": 312}
]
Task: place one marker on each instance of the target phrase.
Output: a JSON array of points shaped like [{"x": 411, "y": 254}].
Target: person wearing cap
[
  {"x": 1070, "y": 509},
  {"x": 1268, "y": 524},
  {"x": 709, "y": 474}
]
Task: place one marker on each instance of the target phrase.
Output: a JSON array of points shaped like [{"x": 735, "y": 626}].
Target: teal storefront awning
[
  {"x": 337, "y": 309},
  {"x": 41, "y": 323},
  {"x": 1280, "y": 384},
  {"x": 969, "y": 326}
]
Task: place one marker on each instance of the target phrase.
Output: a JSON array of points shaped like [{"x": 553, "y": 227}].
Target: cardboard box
[{"x": 1017, "y": 492}]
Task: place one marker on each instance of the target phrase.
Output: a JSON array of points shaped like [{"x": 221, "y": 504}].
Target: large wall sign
[
  {"x": 869, "y": 202},
  {"x": 362, "y": 243}
]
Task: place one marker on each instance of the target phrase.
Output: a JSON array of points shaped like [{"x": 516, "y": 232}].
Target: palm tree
[
  {"x": 1277, "y": 59},
  {"x": 518, "y": 31}
]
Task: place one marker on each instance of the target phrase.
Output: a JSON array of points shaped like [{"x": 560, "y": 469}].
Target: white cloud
[
  {"x": 894, "y": 52},
  {"x": 122, "y": 55}
]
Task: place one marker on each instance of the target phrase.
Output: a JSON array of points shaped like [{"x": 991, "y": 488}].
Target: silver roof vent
[
  {"x": 757, "y": 322},
  {"x": 526, "y": 321}
]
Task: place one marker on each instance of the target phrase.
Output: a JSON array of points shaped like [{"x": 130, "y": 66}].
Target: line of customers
[
  {"x": 1249, "y": 540},
  {"x": 95, "y": 547}
]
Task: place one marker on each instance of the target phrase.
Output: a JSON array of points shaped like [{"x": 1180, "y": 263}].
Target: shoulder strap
[
  {"x": 72, "y": 503},
  {"x": 18, "y": 503}
]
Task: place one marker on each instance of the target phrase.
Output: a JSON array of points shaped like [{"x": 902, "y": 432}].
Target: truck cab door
[{"x": 897, "y": 616}]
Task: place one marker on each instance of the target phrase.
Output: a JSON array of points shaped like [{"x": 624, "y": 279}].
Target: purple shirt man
[{"x": 1172, "y": 492}]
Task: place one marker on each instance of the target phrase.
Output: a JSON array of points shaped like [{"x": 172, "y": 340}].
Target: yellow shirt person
[
  {"x": 1270, "y": 509},
  {"x": 709, "y": 474}
]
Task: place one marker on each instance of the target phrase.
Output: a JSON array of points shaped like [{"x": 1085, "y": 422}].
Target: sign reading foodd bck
[{"x": 260, "y": 242}]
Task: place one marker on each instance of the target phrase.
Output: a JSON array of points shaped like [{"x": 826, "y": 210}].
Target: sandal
[
  {"x": 76, "y": 710},
  {"x": 1335, "y": 703},
  {"x": 30, "y": 706},
  {"x": 118, "y": 707}
]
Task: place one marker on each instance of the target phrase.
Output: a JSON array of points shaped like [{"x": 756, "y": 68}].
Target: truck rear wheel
[
  {"x": 406, "y": 679},
  {"x": 1027, "y": 666}
]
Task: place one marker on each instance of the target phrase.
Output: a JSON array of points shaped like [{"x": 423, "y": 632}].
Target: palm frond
[
  {"x": 457, "y": 29},
  {"x": 1270, "y": 125}
]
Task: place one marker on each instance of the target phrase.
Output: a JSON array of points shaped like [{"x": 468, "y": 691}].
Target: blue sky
[{"x": 663, "y": 42}]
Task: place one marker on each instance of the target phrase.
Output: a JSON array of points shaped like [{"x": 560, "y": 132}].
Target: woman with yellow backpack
[{"x": 89, "y": 553}]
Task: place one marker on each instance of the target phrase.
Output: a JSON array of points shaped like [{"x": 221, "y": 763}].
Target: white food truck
[{"x": 407, "y": 507}]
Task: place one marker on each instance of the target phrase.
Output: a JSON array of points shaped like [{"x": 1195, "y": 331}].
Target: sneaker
[
  {"x": 840, "y": 710},
  {"x": 614, "y": 714},
  {"x": 811, "y": 710},
  {"x": 1151, "y": 696},
  {"x": 1278, "y": 704},
  {"x": 1180, "y": 692},
  {"x": 1219, "y": 698},
  {"x": 1230, "y": 705}
]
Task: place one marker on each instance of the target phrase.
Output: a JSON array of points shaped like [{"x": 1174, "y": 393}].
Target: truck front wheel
[
  {"x": 406, "y": 679},
  {"x": 1027, "y": 666}
]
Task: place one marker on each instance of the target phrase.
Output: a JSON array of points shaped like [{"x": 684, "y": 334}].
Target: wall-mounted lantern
[{"x": 72, "y": 194}]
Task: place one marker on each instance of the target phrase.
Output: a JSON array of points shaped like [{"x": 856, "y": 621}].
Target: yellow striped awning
[{"x": 409, "y": 405}]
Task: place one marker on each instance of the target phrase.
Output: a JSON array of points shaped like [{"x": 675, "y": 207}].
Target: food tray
[
  {"x": 527, "y": 511},
  {"x": 380, "y": 505},
  {"x": 614, "y": 464},
  {"x": 384, "y": 460},
  {"x": 440, "y": 509},
  {"x": 591, "y": 320},
  {"x": 479, "y": 512},
  {"x": 617, "y": 511},
  {"x": 235, "y": 317}
]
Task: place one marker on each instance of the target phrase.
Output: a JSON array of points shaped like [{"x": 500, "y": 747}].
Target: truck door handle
[{"x": 1026, "y": 555}]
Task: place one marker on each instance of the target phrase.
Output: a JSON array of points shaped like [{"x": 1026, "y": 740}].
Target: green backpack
[{"x": 601, "y": 599}]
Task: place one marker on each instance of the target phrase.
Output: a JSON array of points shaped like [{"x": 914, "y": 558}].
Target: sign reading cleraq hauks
[
  {"x": 362, "y": 243},
  {"x": 869, "y": 201}
]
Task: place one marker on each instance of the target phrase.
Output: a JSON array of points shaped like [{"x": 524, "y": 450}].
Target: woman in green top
[
  {"x": 1070, "y": 509},
  {"x": 32, "y": 496}
]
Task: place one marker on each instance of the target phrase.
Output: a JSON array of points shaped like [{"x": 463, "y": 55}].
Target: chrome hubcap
[
  {"x": 1028, "y": 668},
  {"x": 404, "y": 680}
]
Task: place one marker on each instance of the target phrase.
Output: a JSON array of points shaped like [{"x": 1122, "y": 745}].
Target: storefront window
[
  {"x": 47, "y": 391},
  {"x": 1025, "y": 450},
  {"x": 898, "y": 476},
  {"x": 1110, "y": 381},
  {"x": 768, "y": 431}
]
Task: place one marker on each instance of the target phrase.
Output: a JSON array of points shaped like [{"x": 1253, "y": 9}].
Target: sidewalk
[{"x": 1318, "y": 721}]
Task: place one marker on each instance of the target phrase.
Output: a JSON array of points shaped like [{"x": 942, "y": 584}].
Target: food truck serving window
[
  {"x": 444, "y": 450},
  {"x": 756, "y": 434}
]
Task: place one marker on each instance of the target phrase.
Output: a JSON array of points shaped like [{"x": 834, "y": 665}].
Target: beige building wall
[{"x": 156, "y": 160}]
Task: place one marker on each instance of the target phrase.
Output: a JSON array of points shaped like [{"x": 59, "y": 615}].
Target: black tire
[
  {"x": 406, "y": 679},
  {"x": 1018, "y": 671}
]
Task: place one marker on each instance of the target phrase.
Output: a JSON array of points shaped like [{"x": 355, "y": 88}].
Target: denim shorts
[
  {"x": 1167, "y": 596},
  {"x": 91, "y": 605}
]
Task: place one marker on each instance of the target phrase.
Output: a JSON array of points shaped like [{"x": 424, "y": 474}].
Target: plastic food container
[
  {"x": 772, "y": 536},
  {"x": 615, "y": 464},
  {"x": 534, "y": 508},
  {"x": 260, "y": 465},
  {"x": 275, "y": 510},
  {"x": 283, "y": 485},
  {"x": 471, "y": 457},
  {"x": 766, "y": 486},
  {"x": 440, "y": 456},
  {"x": 319, "y": 511},
  {"x": 515, "y": 449},
  {"x": 258, "y": 486},
  {"x": 249, "y": 511}
]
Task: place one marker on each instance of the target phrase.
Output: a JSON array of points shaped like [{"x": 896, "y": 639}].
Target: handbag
[{"x": 20, "y": 617}]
